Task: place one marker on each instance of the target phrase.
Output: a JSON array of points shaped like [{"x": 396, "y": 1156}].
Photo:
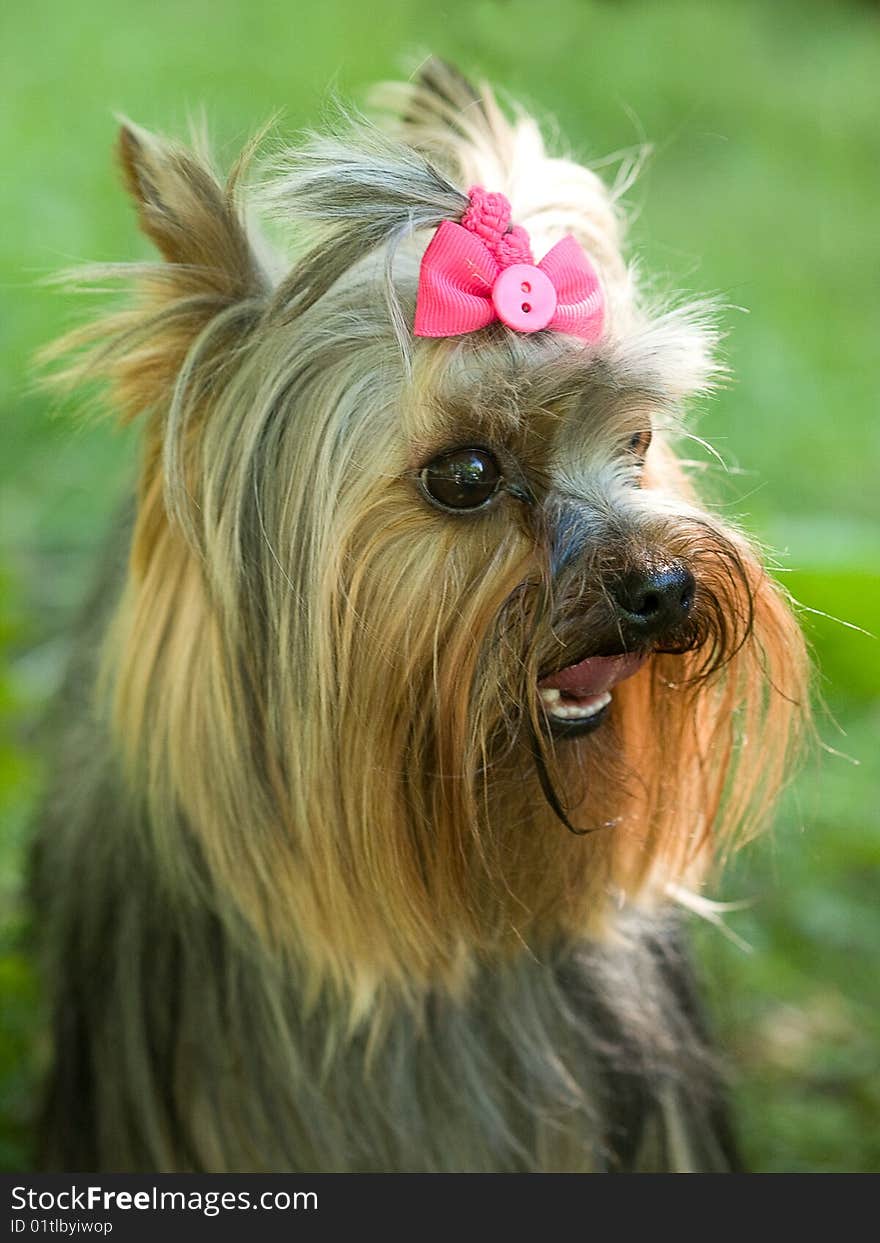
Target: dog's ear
[
  {"x": 209, "y": 288},
  {"x": 461, "y": 126},
  {"x": 194, "y": 220}
]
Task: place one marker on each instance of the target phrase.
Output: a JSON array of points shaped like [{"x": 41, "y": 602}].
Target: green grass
[{"x": 762, "y": 188}]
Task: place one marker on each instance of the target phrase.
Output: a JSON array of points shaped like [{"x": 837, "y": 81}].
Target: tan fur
[{"x": 325, "y": 683}]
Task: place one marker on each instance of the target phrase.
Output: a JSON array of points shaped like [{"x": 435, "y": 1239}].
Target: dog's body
[{"x": 309, "y": 897}]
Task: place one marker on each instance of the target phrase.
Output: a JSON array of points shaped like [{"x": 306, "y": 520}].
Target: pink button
[{"x": 524, "y": 298}]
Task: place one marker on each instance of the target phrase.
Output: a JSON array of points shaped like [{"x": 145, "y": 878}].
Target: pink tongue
[{"x": 593, "y": 675}]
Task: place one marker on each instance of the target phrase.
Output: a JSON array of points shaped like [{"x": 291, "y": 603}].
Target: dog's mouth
[{"x": 576, "y": 699}]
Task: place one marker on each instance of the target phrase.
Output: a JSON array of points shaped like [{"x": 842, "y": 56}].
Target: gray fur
[{"x": 184, "y": 1041}]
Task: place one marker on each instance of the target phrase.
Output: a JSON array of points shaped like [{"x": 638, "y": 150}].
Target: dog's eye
[
  {"x": 639, "y": 443},
  {"x": 462, "y": 479}
]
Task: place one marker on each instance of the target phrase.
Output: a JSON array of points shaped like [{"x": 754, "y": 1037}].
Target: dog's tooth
[
  {"x": 551, "y": 696},
  {"x": 574, "y": 712}
]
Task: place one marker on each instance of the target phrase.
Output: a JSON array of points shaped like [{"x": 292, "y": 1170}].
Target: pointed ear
[
  {"x": 192, "y": 218},
  {"x": 211, "y": 277}
]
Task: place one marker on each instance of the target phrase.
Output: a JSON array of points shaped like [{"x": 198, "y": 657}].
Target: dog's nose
[{"x": 652, "y": 601}]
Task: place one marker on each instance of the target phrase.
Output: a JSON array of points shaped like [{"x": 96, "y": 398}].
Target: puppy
[{"x": 418, "y": 689}]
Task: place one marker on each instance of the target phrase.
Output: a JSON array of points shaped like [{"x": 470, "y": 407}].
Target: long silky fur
[{"x": 307, "y": 896}]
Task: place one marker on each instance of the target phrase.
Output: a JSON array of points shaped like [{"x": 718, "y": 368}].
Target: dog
[{"x": 418, "y": 693}]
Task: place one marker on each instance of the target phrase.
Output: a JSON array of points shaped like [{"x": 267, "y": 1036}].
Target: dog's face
[
  {"x": 400, "y": 610},
  {"x": 529, "y": 545},
  {"x": 557, "y": 460}
]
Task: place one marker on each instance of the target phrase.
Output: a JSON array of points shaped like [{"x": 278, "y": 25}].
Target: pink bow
[{"x": 481, "y": 270}]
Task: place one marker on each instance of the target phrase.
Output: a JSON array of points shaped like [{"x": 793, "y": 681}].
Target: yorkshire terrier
[{"x": 419, "y": 693}]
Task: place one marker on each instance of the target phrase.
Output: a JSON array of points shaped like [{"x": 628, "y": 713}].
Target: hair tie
[{"x": 482, "y": 270}]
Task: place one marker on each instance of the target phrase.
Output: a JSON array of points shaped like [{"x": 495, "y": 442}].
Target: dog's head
[{"x": 402, "y": 612}]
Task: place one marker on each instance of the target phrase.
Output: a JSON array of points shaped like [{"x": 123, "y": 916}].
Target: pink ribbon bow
[{"x": 482, "y": 270}]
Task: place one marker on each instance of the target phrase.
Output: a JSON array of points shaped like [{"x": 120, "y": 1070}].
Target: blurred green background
[{"x": 763, "y": 187}]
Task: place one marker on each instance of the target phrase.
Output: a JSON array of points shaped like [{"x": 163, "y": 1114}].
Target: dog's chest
[{"x": 587, "y": 1061}]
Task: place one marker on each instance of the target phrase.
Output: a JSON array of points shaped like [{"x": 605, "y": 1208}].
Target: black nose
[{"x": 655, "y": 600}]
